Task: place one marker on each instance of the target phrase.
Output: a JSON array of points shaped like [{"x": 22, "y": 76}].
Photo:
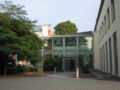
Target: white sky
[{"x": 81, "y": 12}]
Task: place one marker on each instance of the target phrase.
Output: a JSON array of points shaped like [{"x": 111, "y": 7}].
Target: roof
[
  {"x": 99, "y": 13},
  {"x": 87, "y": 32},
  {"x": 84, "y": 34}
]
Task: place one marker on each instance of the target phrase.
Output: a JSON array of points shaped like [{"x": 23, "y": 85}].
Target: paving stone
[{"x": 57, "y": 82}]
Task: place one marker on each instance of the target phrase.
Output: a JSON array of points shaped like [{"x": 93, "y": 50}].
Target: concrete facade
[
  {"x": 96, "y": 61},
  {"x": 106, "y": 38}
]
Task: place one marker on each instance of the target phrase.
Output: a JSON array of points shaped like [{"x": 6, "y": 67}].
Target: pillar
[
  {"x": 52, "y": 47},
  {"x": 63, "y": 60},
  {"x": 77, "y": 59}
]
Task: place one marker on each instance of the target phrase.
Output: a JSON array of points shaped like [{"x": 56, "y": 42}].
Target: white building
[
  {"x": 43, "y": 31},
  {"x": 106, "y": 38}
]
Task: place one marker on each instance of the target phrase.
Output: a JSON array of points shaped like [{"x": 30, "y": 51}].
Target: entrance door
[{"x": 70, "y": 64}]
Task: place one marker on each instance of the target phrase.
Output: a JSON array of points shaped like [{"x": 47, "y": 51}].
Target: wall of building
[
  {"x": 109, "y": 53},
  {"x": 43, "y": 30},
  {"x": 96, "y": 62}
]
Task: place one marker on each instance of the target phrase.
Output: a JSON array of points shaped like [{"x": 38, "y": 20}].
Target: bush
[
  {"x": 58, "y": 63},
  {"x": 50, "y": 63},
  {"x": 25, "y": 68},
  {"x": 33, "y": 69}
]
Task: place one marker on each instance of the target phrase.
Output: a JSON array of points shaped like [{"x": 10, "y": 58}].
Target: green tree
[
  {"x": 13, "y": 11},
  {"x": 65, "y": 28},
  {"x": 16, "y": 35},
  {"x": 15, "y": 32}
]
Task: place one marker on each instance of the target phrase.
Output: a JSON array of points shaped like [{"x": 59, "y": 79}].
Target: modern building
[
  {"x": 106, "y": 38},
  {"x": 74, "y": 49}
]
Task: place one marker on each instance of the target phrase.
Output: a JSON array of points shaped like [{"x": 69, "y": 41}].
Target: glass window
[
  {"x": 102, "y": 31},
  {"x": 113, "y": 9},
  {"x": 58, "y": 41},
  {"x": 115, "y": 52},
  {"x": 110, "y": 55},
  {"x": 105, "y": 25},
  {"x": 108, "y": 19},
  {"x": 106, "y": 57},
  {"x": 70, "y": 41},
  {"x": 82, "y": 41}
]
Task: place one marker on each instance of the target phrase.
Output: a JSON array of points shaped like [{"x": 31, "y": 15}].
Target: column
[
  {"x": 63, "y": 60},
  {"x": 63, "y": 46},
  {"x": 52, "y": 47},
  {"x": 77, "y": 58}
]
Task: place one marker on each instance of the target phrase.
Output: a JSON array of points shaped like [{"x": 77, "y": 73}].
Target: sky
[{"x": 81, "y": 12}]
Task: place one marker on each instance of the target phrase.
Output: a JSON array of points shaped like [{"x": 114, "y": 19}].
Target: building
[
  {"x": 74, "y": 49},
  {"x": 43, "y": 31},
  {"x": 106, "y": 38}
]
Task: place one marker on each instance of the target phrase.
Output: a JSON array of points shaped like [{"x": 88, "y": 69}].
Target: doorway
[{"x": 69, "y": 64}]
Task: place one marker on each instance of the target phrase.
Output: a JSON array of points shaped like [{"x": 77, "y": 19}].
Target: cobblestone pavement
[{"x": 56, "y": 82}]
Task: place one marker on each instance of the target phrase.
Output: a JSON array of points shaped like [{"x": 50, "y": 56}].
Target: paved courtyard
[{"x": 56, "y": 82}]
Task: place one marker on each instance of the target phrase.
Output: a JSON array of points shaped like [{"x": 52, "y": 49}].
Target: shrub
[
  {"x": 25, "y": 68},
  {"x": 33, "y": 69},
  {"x": 50, "y": 63}
]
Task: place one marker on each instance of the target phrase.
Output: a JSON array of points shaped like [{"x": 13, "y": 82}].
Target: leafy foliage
[
  {"x": 13, "y": 11},
  {"x": 65, "y": 28},
  {"x": 48, "y": 64},
  {"x": 25, "y": 68},
  {"x": 51, "y": 63},
  {"x": 15, "y": 32}
]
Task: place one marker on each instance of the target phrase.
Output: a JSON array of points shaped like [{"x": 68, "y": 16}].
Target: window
[
  {"x": 105, "y": 25},
  {"x": 103, "y": 28},
  {"x": 101, "y": 60},
  {"x": 102, "y": 63},
  {"x": 58, "y": 41},
  {"x": 100, "y": 34},
  {"x": 102, "y": 31},
  {"x": 70, "y": 41},
  {"x": 113, "y": 9},
  {"x": 40, "y": 29},
  {"x": 108, "y": 19},
  {"x": 110, "y": 54},
  {"x": 106, "y": 57},
  {"x": 115, "y": 52}
]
